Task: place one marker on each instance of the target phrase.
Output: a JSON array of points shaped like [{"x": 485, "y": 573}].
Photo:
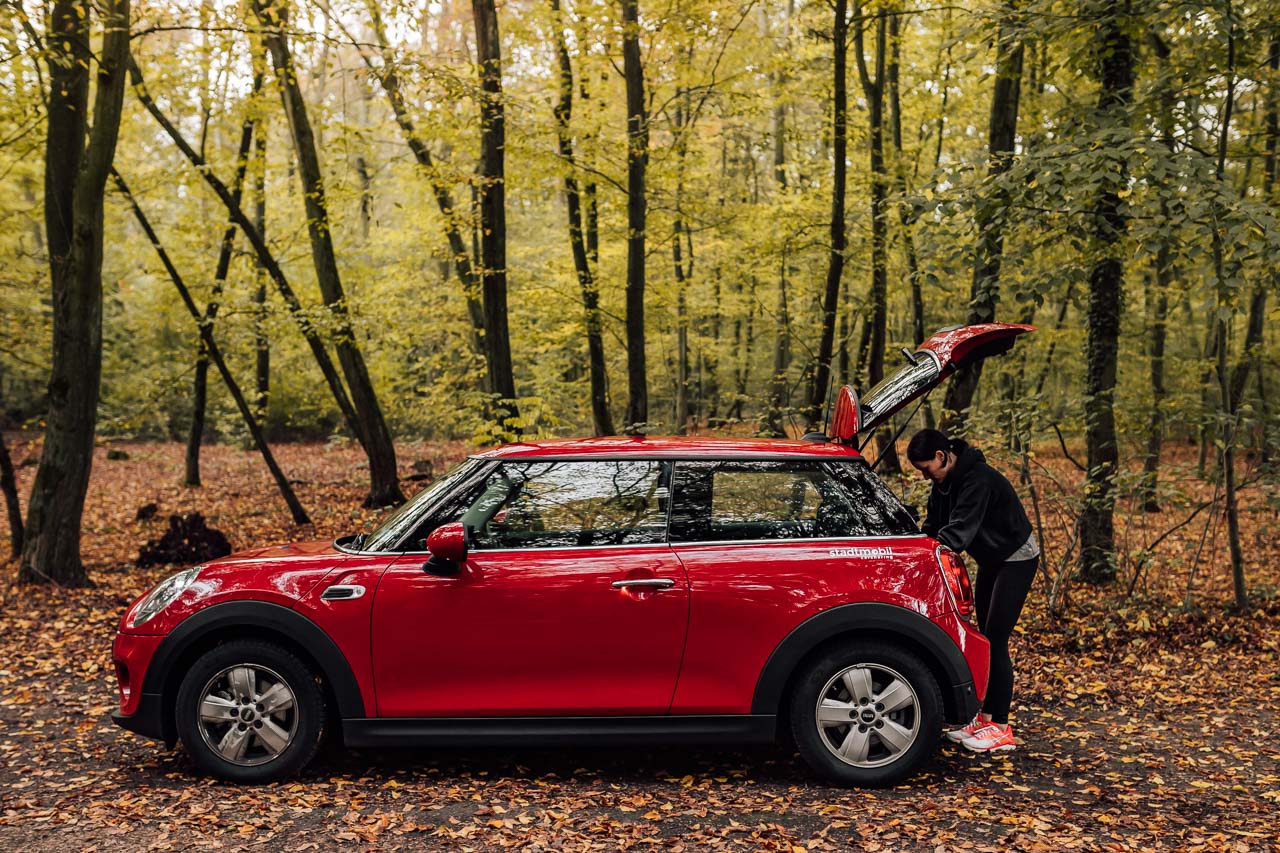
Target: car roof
[{"x": 671, "y": 447}]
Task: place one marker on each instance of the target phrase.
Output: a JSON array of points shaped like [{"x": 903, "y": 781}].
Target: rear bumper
[
  {"x": 966, "y": 702},
  {"x": 147, "y": 718}
]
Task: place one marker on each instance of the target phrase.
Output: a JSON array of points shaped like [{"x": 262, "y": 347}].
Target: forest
[
  {"x": 602, "y": 218},
  {"x": 282, "y": 261}
]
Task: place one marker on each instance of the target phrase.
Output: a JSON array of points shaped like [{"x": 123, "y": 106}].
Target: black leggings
[{"x": 999, "y": 594}]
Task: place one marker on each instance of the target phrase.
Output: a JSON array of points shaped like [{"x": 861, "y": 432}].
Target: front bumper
[
  {"x": 139, "y": 712},
  {"x": 147, "y": 720}
]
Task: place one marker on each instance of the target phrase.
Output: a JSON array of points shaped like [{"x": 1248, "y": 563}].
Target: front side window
[
  {"x": 735, "y": 501},
  {"x": 412, "y": 515},
  {"x": 570, "y": 504}
]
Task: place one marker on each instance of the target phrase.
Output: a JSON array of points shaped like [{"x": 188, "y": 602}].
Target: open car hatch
[{"x": 933, "y": 361}]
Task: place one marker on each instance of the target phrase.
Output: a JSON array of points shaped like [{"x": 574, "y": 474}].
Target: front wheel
[
  {"x": 250, "y": 711},
  {"x": 866, "y": 713}
]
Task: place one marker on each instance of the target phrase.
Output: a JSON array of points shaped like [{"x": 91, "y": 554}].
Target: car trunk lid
[{"x": 933, "y": 361}]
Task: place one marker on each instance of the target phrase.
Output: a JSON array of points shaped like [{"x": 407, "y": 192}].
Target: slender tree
[
  {"x": 637, "y": 160},
  {"x": 991, "y": 203},
  {"x": 493, "y": 217},
  {"x": 820, "y": 371},
  {"x": 1159, "y": 291},
  {"x": 9, "y": 485},
  {"x": 873, "y": 88},
  {"x": 261, "y": 338},
  {"x": 384, "y": 487},
  {"x": 1225, "y": 298},
  {"x": 201, "y": 386},
  {"x": 1254, "y": 339},
  {"x": 779, "y": 387},
  {"x": 1096, "y": 522},
  {"x": 601, "y": 418},
  {"x": 75, "y": 184}
]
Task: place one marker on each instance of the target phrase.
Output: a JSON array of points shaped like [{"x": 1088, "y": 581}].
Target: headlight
[{"x": 163, "y": 595}]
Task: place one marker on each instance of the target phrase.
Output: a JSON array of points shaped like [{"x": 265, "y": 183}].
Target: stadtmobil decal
[{"x": 861, "y": 553}]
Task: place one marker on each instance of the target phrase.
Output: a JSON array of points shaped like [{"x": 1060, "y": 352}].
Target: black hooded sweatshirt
[{"x": 976, "y": 510}]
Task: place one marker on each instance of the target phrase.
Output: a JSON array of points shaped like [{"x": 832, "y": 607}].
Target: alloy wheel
[
  {"x": 248, "y": 714},
  {"x": 868, "y": 715}
]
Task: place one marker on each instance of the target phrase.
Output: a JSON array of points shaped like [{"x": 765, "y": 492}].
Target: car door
[
  {"x": 569, "y": 601},
  {"x": 766, "y": 544}
]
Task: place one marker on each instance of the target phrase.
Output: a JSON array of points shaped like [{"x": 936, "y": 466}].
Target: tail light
[{"x": 953, "y": 569}]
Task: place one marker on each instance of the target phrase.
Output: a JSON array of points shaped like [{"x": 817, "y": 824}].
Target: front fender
[{"x": 238, "y": 618}]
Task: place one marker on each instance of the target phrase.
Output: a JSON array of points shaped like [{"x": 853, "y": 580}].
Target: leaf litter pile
[{"x": 1142, "y": 725}]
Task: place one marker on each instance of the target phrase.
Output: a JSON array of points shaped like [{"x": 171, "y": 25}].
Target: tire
[
  {"x": 883, "y": 742},
  {"x": 271, "y": 737}
]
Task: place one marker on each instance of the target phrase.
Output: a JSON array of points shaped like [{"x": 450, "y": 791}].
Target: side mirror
[{"x": 448, "y": 542}]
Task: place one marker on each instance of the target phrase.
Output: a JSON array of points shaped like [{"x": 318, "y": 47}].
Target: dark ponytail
[{"x": 926, "y": 443}]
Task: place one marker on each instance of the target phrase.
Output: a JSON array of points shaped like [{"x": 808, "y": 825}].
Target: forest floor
[{"x": 1143, "y": 725}]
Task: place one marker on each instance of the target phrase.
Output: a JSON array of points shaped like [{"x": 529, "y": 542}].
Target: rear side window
[
  {"x": 734, "y": 501},
  {"x": 570, "y": 504},
  {"x": 881, "y": 512}
]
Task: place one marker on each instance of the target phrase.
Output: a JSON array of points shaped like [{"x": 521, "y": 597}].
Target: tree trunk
[
  {"x": 1096, "y": 523},
  {"x": 873, "y": 89},
  {"x": 820, "y": 372},
  {"x": 1228, "y": 402},
  {"x": 493, "y": 219},
  {"x": 744, "y": 342},
  {"x": 384, "y": 485},
  {"x": 601, "y": 418},
  {"x": 75, "y": 183},
  {"x": 215, "y": 355},
  {"x": 1164, "y": 279},
  {"x": 906, "y": 216},
  {"x": 261, "y": 340},
  {"x": 1254, "y": 327},
  {"x": 779, "y": 396},
  {"x": 683, "y": 266},
  {"x": 991, "y": 208},
  {"x": 200, "y": 389},
  {"x": 779, "y": 390},
  {"x": 637, "y": 160},
  {"x": 9, "y": 485},
  {"x": 199, "y": 401}
]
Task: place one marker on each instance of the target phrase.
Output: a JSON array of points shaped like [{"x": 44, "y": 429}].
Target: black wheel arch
[
  {"x": 869, "y": 620},
  {"x": 239, "y": 620}
]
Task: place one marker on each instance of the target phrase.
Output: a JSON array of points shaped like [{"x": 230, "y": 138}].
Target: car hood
[{"x": 289, "y": 570}]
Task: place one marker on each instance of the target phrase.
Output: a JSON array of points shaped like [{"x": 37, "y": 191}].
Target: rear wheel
[
  {"x": 250, "y": 711},
  {"x": 866, "y": 713}
]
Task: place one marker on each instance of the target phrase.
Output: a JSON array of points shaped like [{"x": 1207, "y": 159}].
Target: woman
[{"x": 973, "y": 508}]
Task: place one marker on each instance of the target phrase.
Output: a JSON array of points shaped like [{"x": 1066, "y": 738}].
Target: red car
[{"x": 621, "y": 590}]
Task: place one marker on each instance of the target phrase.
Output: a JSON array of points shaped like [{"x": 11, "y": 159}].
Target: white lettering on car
[{"x": 862, "y": 553}]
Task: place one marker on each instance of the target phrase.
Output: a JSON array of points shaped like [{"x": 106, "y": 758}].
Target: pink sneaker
[
  {"x": 968, "y": 731},
  {"x": 993, "y": 737}
]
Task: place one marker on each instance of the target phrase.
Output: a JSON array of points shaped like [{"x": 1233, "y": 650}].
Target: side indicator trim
[{"x": 343, "y": 592}]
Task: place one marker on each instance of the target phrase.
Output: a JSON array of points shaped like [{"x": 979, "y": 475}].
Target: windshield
[{"x": 396, "y": 525}]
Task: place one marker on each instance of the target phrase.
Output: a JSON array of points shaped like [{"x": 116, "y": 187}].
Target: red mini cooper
[{"x": 619, "y": 590}]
